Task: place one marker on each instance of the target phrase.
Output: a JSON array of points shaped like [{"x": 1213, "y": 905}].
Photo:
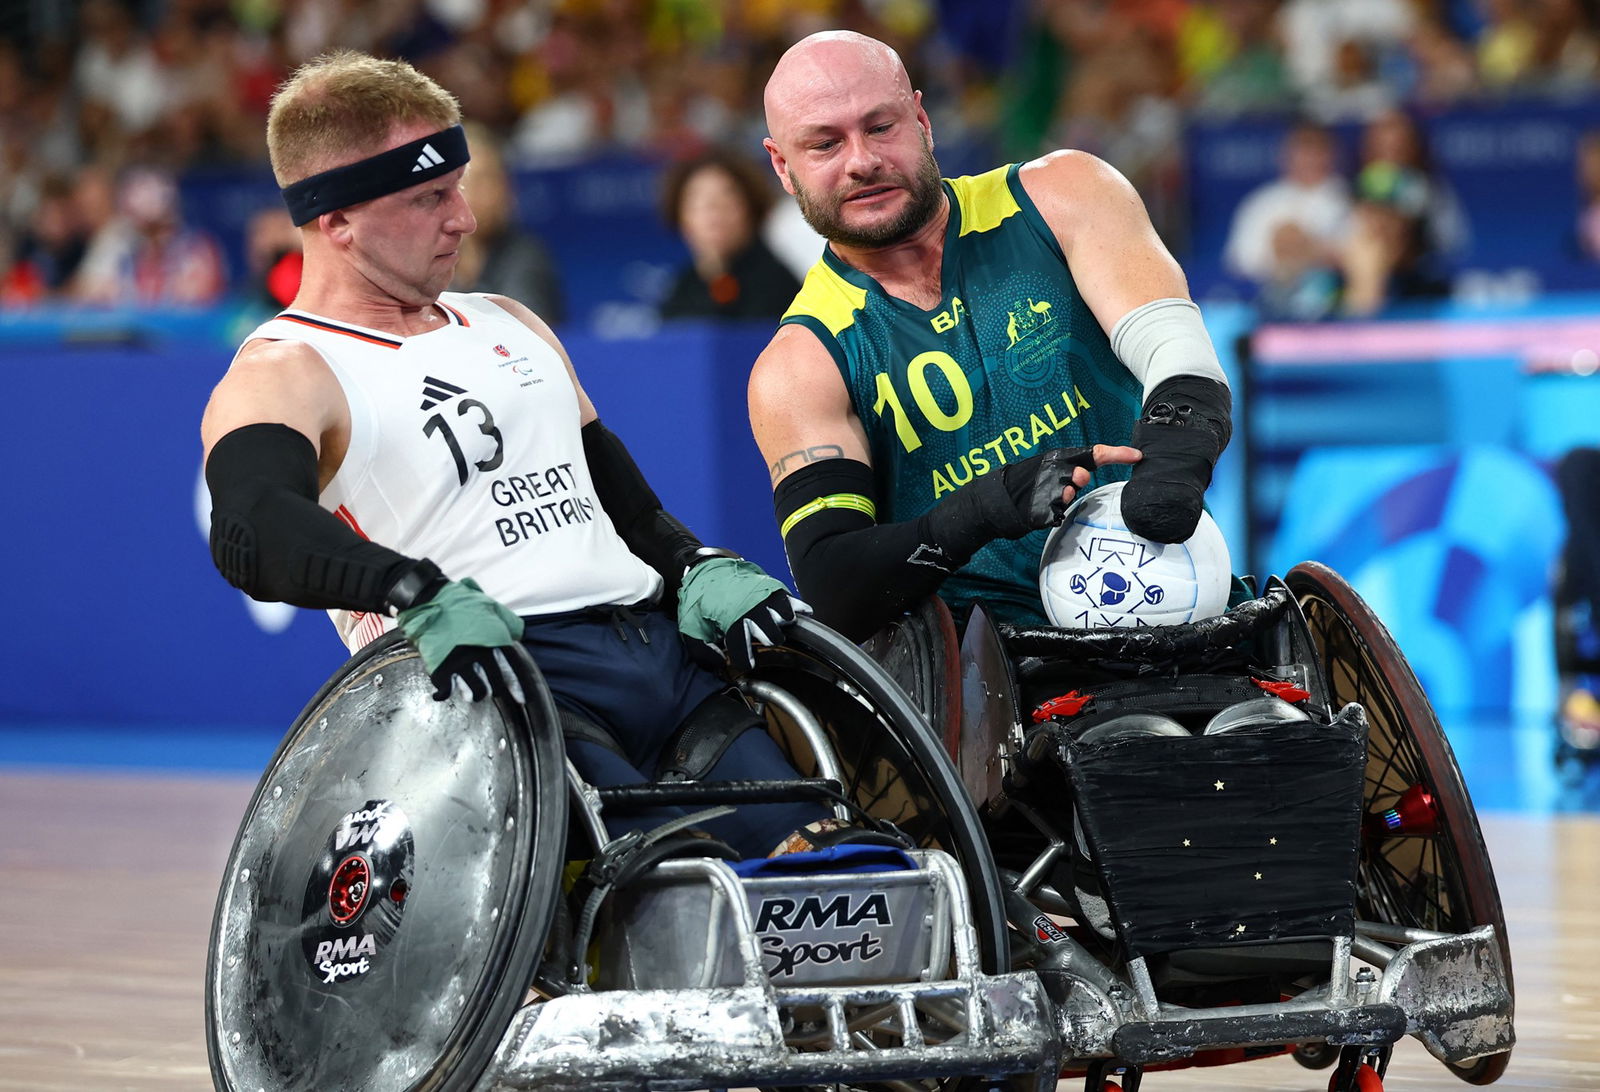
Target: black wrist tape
[
  {"x": 1187, "y": 422},
  {"x": 415, "y": 586}
]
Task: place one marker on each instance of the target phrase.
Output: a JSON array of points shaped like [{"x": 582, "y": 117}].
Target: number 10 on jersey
[{"x": 888, "y": 401}]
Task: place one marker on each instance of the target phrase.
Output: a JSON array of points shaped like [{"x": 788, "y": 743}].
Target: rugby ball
[{"x": 1096, "y": 573}]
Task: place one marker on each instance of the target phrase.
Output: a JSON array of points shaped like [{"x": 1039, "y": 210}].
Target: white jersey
[{"x": 465, "y": 449}]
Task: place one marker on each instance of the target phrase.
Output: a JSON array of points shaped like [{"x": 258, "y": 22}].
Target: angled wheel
[
  {"x": 894, "y": 767},
  {"x": 1423, "y": 860},
  {"x": 919, "y": 653},
  {"x": 388, "y": 894}
]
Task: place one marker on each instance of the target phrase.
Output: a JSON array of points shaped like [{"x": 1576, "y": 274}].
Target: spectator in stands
[
  {"x": 1317, "y": 35},
  {"x": 1247, "y": 73},
  {"x": 38, "y": 132},
  {"x": 276, "y": 256},
  {"x": 1118, "y": 105},
  {"x": 717, "y": 201},
  {"x": 1287, "y": 235},
  {"x": 1566, "y": 44},
  {"x": 1588, "y": 169},
  {"x": 585, "y": 100},
  {"x": 50, "y": 250},
  {"x": 146, "y": 254},
  {"x": 1506, "y": 44},
  {"x": 1356, "y": 91},
  {"x": 1407, "y": 222},
  {"x": 118, "y": 79},
  {"x": 501, "y": 256},
  {"x": 1442, "y": 69}
]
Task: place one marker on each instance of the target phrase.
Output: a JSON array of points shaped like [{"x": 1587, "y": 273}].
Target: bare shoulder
[
  {"x": 795, "y": 365},
  {"x": 275, "y": 382},
  {"x": 1069, "y": 184},
  {"x": 278, "y": 361},
  {"x": 1116, "y": 257},
  {"x": 800, "y": 408}
]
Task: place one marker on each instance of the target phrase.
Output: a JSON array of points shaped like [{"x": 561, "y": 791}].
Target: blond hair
[{"x": 342, "y": 106}]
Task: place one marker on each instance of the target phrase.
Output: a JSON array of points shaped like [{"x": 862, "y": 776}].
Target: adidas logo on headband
[{"x": 428, "y": 158}]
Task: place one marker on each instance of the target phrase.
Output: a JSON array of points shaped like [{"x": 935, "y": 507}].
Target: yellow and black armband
[{"x": 856, "y": 573}]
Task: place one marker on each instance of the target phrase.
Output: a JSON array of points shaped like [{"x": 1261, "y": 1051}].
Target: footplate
[
  {"x": 697, "y": 1000},
  {"x": 1449, "y": 991},
  {"x": 1453, "y": 991}
]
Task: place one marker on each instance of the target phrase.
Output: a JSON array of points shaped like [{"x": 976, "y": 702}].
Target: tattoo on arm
[{"x": 803, "y": 456}]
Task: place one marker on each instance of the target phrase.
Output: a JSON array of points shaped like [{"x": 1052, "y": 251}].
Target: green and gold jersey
[{"x": 1010, "y": 362}]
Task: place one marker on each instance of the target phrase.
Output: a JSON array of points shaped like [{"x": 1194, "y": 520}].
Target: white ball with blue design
[{"x": 1096, "y": 573}]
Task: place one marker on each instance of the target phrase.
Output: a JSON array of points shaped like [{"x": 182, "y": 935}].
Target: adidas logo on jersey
[
  {"x": 427, "y": 158},
  {"x": 435, "y": 391}
]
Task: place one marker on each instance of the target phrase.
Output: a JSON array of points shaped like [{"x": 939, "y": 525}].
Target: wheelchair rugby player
[{"x": 479, "y": 860}]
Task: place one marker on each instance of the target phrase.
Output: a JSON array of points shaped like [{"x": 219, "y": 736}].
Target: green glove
[
  {"x": 459, "y": 631},
  {"x": 732, "y": 600}
]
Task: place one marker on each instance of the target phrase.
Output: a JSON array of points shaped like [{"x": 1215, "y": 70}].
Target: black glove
[
  {"x": 1187, "y": 422},
  {"x": 763, "y": 624},
  {"x": 1023, "y": 497},
  {"x": 729, "y": 599},
  {"x": 461, "y": 633}
]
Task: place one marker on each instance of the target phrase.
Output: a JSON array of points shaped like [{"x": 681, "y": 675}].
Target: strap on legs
[{"x": 704, "y": 737}]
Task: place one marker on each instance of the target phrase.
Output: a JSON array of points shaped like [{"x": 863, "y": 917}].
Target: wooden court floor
[{"x": 107, "y": 884}]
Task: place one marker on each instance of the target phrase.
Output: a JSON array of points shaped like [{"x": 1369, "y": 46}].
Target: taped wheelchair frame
[{"x": 399, "y": 909}]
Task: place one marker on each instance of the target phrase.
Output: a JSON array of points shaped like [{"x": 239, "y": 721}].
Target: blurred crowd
[
  {"x": 1319, "y": 240},
  {"x": 104, "y": 102}
]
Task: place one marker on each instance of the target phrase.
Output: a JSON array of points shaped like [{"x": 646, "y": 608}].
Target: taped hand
[
  {"x": 464, "y": 635},
  {"x": 1186, "y": 424}
]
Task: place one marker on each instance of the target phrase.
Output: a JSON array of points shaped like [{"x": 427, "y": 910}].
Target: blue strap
[{"x": 845, "y": 857}]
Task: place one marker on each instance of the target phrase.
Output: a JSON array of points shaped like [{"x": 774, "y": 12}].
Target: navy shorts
[{"x": 628, "y": 671}]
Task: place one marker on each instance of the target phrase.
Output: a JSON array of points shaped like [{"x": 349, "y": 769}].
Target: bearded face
[{"x": 831, "y": 215}]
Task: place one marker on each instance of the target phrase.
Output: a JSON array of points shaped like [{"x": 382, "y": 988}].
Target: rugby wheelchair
[
  {"x": 1145, "y": 789},
  {"x": 423, "y": 896}
]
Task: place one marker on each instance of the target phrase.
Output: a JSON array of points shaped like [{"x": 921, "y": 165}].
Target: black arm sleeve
[
  {"x": 271, "y": 538},
  {"x": 663, "y": 543},
  {"x": 857, "y": 574}
]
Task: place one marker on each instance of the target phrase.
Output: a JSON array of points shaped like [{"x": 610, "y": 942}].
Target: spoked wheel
[
  {"x": 1423, "y": 861},
  {"x": 893, "y": 766}
]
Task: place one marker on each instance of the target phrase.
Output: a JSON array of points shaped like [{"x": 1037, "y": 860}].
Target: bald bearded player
[{"x": 966, "y": 355}]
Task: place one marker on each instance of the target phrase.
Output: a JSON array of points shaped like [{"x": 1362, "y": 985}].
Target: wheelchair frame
[
  {"x": 978, "y": 1012},
  {"x": 1439, "y": 965}
]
